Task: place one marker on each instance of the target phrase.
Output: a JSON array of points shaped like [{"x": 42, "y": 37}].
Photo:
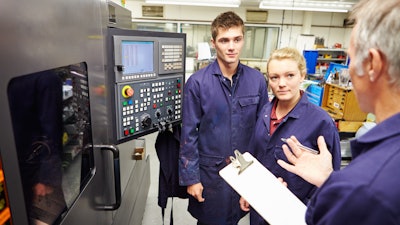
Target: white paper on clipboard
[{"x": 265, "y": 193}]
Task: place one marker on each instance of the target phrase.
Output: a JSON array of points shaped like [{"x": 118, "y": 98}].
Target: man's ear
[{"x": 376, "y": 62}]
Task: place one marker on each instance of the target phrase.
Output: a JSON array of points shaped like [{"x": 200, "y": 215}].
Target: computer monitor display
[{"x": 137, "y": 57}]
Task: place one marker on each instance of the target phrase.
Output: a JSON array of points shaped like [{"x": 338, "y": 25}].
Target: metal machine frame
[{"x": 46, "y": 34}]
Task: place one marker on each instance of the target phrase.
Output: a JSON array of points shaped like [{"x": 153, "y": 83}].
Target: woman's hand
[{"x": 244, "y": 205}]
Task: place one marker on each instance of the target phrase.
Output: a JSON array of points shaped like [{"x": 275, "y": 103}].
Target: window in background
[
  {"x": 260, "y": 41},
  {"x": 196, "y": 33},
  {"x": 155, "y": 26}
]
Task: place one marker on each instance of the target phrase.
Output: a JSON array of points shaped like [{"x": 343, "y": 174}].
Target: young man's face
[{"x": 228, "y": 45}]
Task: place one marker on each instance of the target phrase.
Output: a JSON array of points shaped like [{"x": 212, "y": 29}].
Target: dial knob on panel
[
  {"x": 127, "y": 91},
  {"x": 158, "y": 114},
  {"x": 146, "y": 121},
  {"x": 169, "y": 111}
]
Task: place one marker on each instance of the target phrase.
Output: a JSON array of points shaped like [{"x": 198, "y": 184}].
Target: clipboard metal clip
[{"x": 240, "y": 162}]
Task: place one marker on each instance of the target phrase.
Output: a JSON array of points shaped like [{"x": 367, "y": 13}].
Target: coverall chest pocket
[
  {"x": 248, "y": 110},
  {"x": 247, "y": 103}
]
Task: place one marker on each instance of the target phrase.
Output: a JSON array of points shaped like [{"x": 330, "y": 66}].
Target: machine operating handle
[{"x": 117, "y": 178}]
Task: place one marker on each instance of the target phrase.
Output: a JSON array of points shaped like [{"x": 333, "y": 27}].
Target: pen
[{"x": 313, "y": 151}]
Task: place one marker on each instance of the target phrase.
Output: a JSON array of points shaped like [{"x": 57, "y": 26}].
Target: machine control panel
[
  {"x": 143, "y": 106},
  {"x": 147, "y": 72}
]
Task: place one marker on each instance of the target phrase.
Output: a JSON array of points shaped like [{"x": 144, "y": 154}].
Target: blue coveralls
[
  {"x": 306, "y": 121},
  {"x": 217, "y": 119},
  {"x": 367, "y": 190}
]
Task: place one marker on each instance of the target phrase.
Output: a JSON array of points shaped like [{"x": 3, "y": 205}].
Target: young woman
[{"x": 289, "y": 113}]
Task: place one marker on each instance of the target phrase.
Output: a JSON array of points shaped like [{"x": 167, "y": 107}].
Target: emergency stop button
[{"x": 127, "y": 91}]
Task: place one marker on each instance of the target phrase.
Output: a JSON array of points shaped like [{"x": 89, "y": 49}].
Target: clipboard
[{"x": 263, "y": 191}]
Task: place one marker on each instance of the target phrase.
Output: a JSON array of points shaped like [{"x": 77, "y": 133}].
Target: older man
[{"x": 366, "y": 191}]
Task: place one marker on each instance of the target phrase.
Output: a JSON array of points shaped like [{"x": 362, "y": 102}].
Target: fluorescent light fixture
[
  {"x": 307, "y": 5},
  {"x": 213, "y": 3}
]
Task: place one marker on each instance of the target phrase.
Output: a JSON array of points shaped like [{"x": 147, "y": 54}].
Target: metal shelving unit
[{"x": 326, "y": 55}]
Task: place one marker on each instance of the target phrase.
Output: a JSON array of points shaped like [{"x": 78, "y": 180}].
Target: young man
[
  {"x": 220, "y": 107},
  {"x": 366, "y": 191}
]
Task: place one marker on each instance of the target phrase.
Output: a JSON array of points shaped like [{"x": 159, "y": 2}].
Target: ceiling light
[
  {"x": 213, "y": 3},
  {"x": 305, "y": 5}
]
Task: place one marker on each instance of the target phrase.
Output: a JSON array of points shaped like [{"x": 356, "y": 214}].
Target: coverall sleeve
[
  {"x": 339, "y": 203},
  {"x": 189, "y": 154}
]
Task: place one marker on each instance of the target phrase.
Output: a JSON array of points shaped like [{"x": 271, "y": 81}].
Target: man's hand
[
  {"x": 196, "y": 190},
  {"x": 312, "y": 168}
]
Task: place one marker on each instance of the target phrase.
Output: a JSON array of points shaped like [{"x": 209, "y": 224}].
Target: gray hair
[{"x": 378, "y": 26}]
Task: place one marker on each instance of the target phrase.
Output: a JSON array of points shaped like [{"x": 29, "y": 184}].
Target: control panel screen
[{"x": 137, "y": 57}]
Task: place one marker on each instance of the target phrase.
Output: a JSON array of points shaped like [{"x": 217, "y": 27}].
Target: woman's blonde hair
[{"x": 289, "y": 53}]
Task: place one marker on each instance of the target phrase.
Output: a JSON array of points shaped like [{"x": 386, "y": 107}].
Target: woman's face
[{"x": 284, "y": 79}]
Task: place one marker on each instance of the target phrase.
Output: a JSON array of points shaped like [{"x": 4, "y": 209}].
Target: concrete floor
[{"x": 152, "y": 215}]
